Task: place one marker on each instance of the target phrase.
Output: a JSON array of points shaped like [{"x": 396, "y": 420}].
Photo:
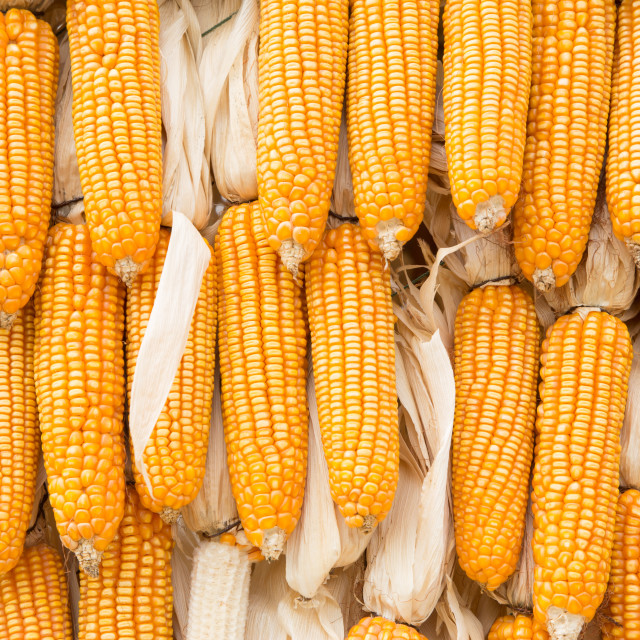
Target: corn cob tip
[
  {"x": 291, "y": 253},
  {"x": 88, "y": 558},
  {"x": 127, "y": 270},
  {"x": 7, "y": 319},
  {"x": 490, "y": 215},
  {"x": 544, "y": 279},
  {"x": 368, "y": 524},
  {"x": 634, "y": 250},
  {"x": 273, "y": 543},
  {"x": 563, "y": 625},
  {"x": 170, "y": 515},
  {"x": 389, "y": 245}
]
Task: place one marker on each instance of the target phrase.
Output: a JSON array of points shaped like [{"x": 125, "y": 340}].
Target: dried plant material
[
  {"x": 460, "y": 622},
  {"x": 438, "y": 119},
  {"x": 186, "y": 179},
  {"x": 186, "y": 543},
  {"x": 320, "y": 619},
  {"x": 35, "y": 6},
  {"x": 607, "y": 277},
  {"x": 630, "y": 434},
  {"x": 342, "y": 203},
  {"x": 345, "y": 586},
  {"x": 519, "y": 587},
  {"x": 268, "y": 587}
]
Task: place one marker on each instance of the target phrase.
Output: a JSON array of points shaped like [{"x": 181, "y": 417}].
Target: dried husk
[
  {"x": 519, "y": 587},
  {"x": 186, "y": 174},
  {"x": 630, "y": 434},
  {"x": 342, "y": 203},
  {"x": 35, "y": 6},
  {"x": 345, "y": 586},
  {"x": 186, "y": 542}
]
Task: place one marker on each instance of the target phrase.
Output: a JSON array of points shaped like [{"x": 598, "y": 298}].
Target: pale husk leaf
[
  {"x": 66, "y": 177},
  {"x": 630, "y": 434},
  {"x": 268, "y": 587},
  {"x": 166, "y": 335},
  {"x": 345, "y": 586},
  {"x": 353, "y": 541},
  {"x": 181, "y": 567},
  {"x": 460, "y": 622},
  {"x": 607, "y": 277},
  {"x": 186, "y": 179},
  {"x": 342, "y": 202},
  {"x": 40, "y": 488},
  {"x": 214, "y": 508}
]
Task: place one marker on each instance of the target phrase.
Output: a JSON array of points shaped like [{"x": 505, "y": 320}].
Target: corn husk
[
  {"x": 345, "y": 586},
  {"x": 186, "y": 175},
  {"x": 342, "y": 203},
  {"x": 458, "y": 619},
  {"x": 186, "y": 542},
  {"x": 228, "y": 71},
  {"x": 519, "y": 587},
  {"x": 35, "y": 6},
  {"x": 630, "y": 434}
]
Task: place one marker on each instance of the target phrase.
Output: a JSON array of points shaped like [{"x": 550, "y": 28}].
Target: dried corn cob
[
  {"x": 115, "y": 71},
  {"x": 34, "y": 600},
  {"x": 623, "y": 177},
  {"x": 622, "y": 618},
  {"x": 133, "y": 597},
  {"x": 176, "y": 453},
  {"x": 19, "y": 435},
  {"x": 586, "y": 359},
  {"x": 351, "y": 320},
  {"x": 496, "y": 366},
  {"x": 487, "y": 78},
  {"x": 302, "y": 69},
  {"x": 390, "y": 107},
  {"x": 518, "y": 627},
  {"x": 566, "y": 131},
  {"x": 79, "y": 375},
  {"x": 379, "y": 628},
  {"x": 28, "y": 77},
  {"x": 263, "y": 368}
]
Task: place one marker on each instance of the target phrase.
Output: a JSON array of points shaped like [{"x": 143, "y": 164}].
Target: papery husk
[
  {"x": 186, "y": 174},
  {"x": 67, "y": 200},
  {"x": 630, "y": 434},
  {"x": 345, "y": 586},
  {"x": 606, "y": 277},
  {"x": 519, "y": 587},
  {"x": 35, "y": 6},
  {"x": 342, "y": 203},
  {"x": 460, "y": 622},
  {"x": 213, "y": 509},
  {"x": 228, "y": 72},
  {"x": 268, "y": 587},
  {"x": 186, "y": 542}
]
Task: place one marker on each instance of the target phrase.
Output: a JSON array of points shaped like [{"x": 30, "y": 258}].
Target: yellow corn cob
[
  {"x": 34, "y": 600},
  {"x": 623, "y": 176},
  {"x": 390, "y": 107},
  {"x": 586, "y": 359},
  {"x": 496, "y": 367},
  {"x": 566, "y": 131},
  {"x": 518, "y": 627},
  {"x": 487, "y": 78},
  {"x": 382, "y": 629},
  {"x": 28, "y": 77},
  {"x": 79, "y": 374},
  {"x": 622, "y": 617},
  {"x": 18, "y": 434},
  {"x": 176, "y": 453},
  {"x": 263, "y": 368},
  {"x": 351, "y": 320},
  {"x": 133, "y": 597},
  {"x": 115, "y": 72},
  {"x": 302, "y": 69}
]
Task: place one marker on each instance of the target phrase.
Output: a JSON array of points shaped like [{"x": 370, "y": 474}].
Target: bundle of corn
[
  {"x": 487, "y": 78},
  {"x": 79, "y": 379},
  {"x": 301, "y": 90},
  {"x": 571, "y": 81},
  {"x": 115, "y": 70},
  {"x": 29, "y": 75}
]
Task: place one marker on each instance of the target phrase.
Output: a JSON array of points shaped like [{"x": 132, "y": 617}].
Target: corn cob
[
  {"x": 566, "y": 131},
  {"x": 302, "y": 68},
  {"x": 263, "y": 367},
  {"x": 622, "y": 618},
  {"x": 623, "y": 177},
  {"x": 351, "y": 320},
  {"x": 28, "y": 77},
  {"x": 518, "y": 627},
  {"x": 586, "y": 359},
  {"x": 379, "y": 628},
  {"x": 176, "y": 453},
  {"x": 115, "y": 72},
  {"x": 19, "y": 435},
  {"x": 487, "y": 78},
  {"x": 390, "y": 108},
  {"x": 133, "y": 597},
  {"x": 34, "y": 601},
  {"x": 79, "y": 375},
  {"x": 496, "y": 367}
]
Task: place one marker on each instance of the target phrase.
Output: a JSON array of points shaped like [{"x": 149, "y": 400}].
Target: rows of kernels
[
  {"x": 390, "y": 109},
  {"x": 566, "y": 132},
  {"x": 302, "y": 69},
  {"x": 115, "y": 70},
  {"x": 487, "y": 78},
  {"x": 132, "y": 599},
  {"x": 520, "y": 627},
  {"x": 622, "y": 617},
  {"x": 18, "y": 434},
  {"x": 496, "y": 372},
  {"x": 28, "y": 81},
  {"x": 34, "y": 599},
  {"x": 352, "y": 343},
  {"x": 79, "y": 375},
  {"x": 175, "y": 455},
  {"x": 379, "y": 628},
  {"x": 585, "y": 372},
  {"x": 262, "y": 340}
]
